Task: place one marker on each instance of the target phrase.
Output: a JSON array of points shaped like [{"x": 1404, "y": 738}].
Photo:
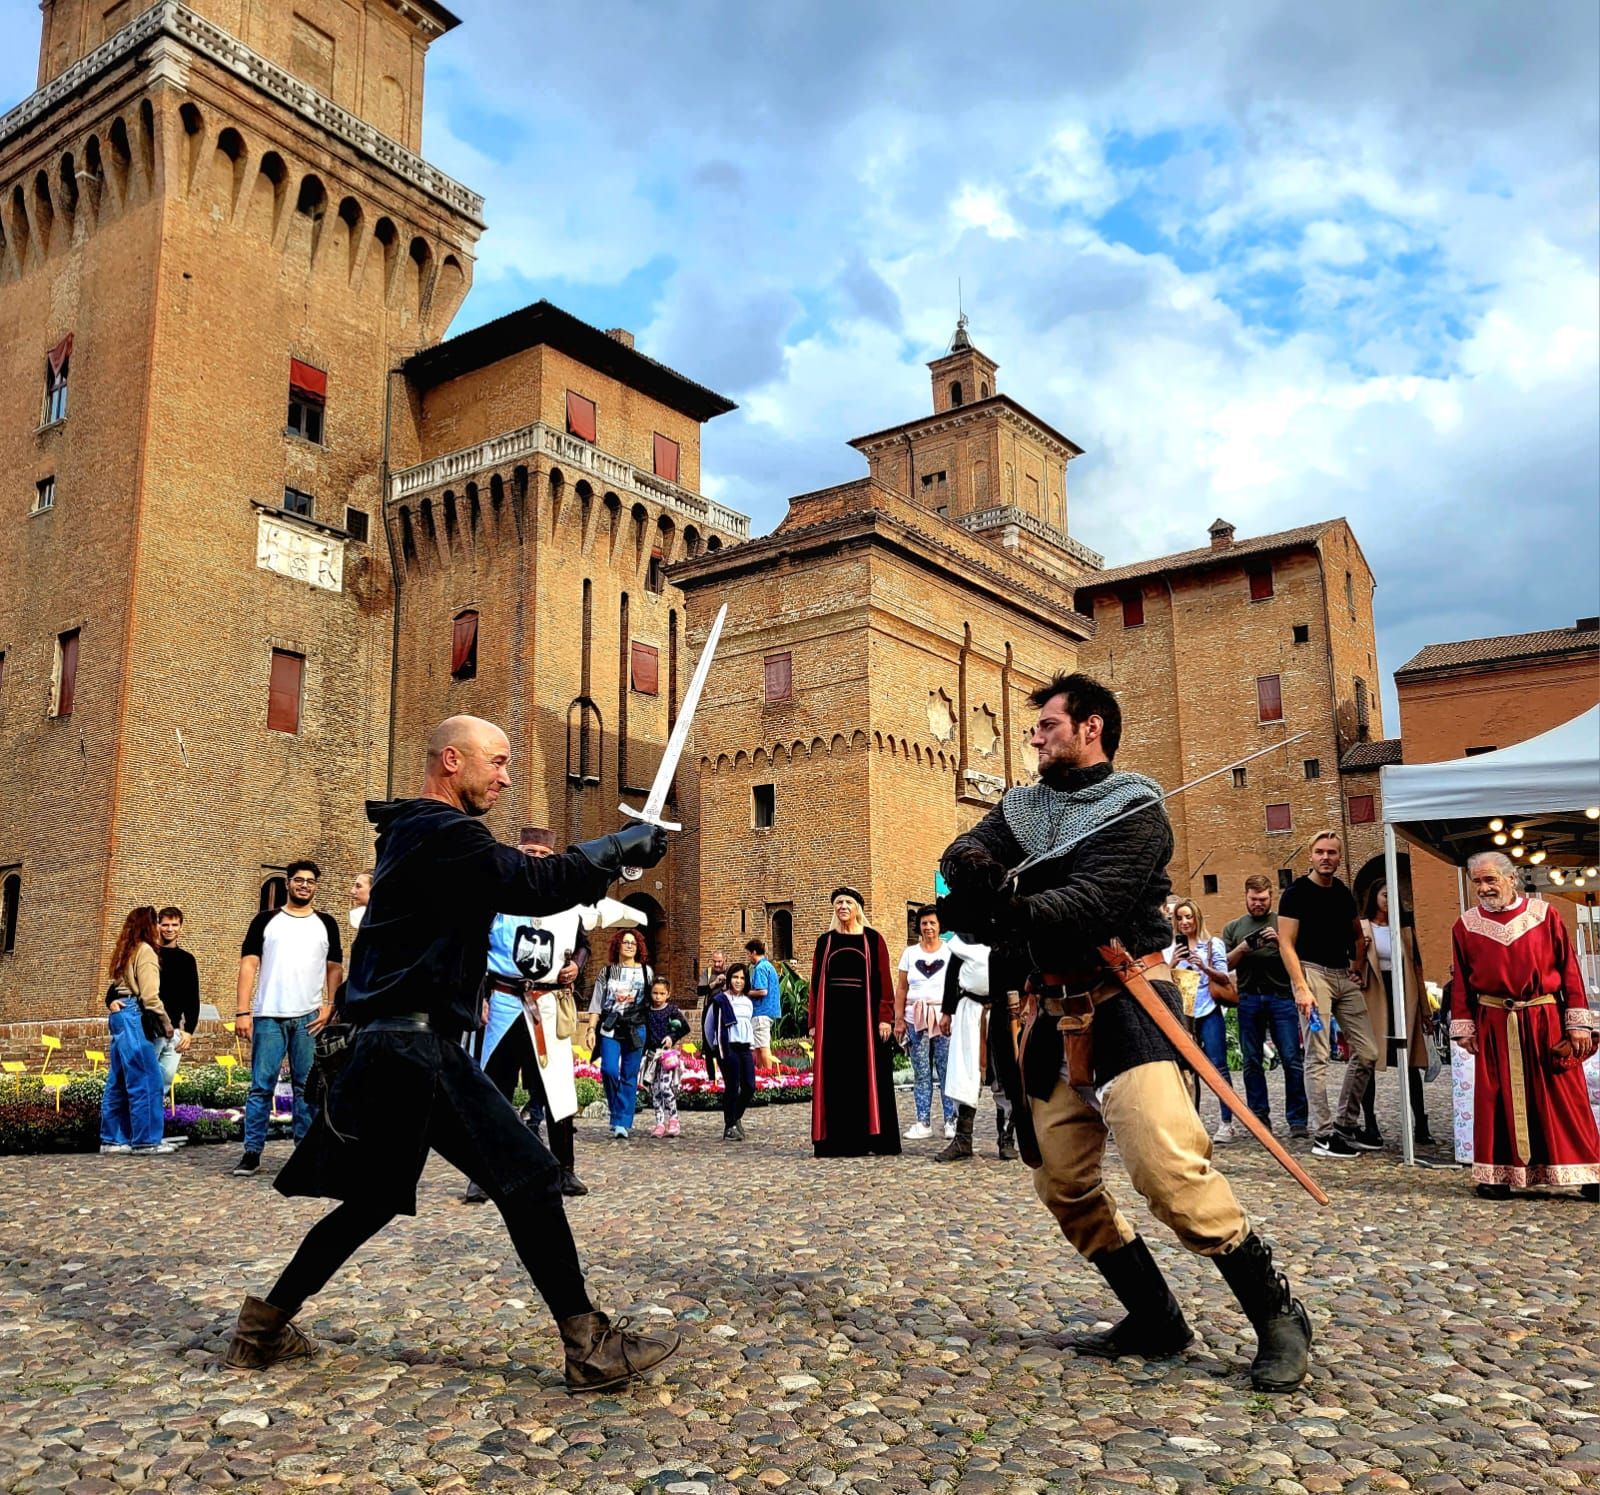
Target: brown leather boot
[
  {"x": 602, "y": 1354},
  {"x": 263, "y": 1336}
]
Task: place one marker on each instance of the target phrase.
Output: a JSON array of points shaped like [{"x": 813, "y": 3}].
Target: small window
[
  {"x": 1269, "y": 698},
  {"x": 655, "y": 576},
  {"x": 1285, "y": 879},
  {"x": 780, "y": 934},
  {"x": 464, "y": 647},
  {"x": 44, "y": 495},
  {"x": 1302, "y": 633},
  {"x": 645, "y": 669},
  {"x": 1350, "y": 593},
  {"x": 308, "y": 395},
  {"x": 955, "y": 392},
  {"x": 1363, "y": 721},
  {"x": 66, "y": 682},
  {"x": 1279, "y": 818},
  {"x": 913, "y": 923},
  {"x": 1313, "y": 768},
  {"x": 1260, "y": 582},
  {"x": 57, "y": 366},
  {"x": 580, "y": 417},
  {"x": 763, "y": 806},
  {"x": 666, "y": 458},
  {"x": 1241, "y": 776},
  {"x": 355, "y": 524},
  {"x": 1363, "y": 809},
  {"x": 283, "y": 691},
  {"x": 2, "y": 669},
  {"x": 1474, "y": 752},
  {"x": 779, "y": 672},
  {"x": 274, "y": 894},
  {"x": 10, "y": 907},
  {"x": 297, "y": 502},
  {"x": 1133, "y": 609},
  {"x": 1209, "y": 883}
]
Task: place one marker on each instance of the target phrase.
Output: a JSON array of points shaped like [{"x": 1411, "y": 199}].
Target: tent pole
[{"x": 1397, "y": 1008}]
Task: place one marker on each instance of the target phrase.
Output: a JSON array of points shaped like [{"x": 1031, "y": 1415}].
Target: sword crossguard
[{"x": 649, "y": 819}]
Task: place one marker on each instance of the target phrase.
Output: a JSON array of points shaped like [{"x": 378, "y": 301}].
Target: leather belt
[
  {"x": 502, "y": 983},
  {"x": 1060, "y": 1002},
  {"x": 399, "y": 1022}
]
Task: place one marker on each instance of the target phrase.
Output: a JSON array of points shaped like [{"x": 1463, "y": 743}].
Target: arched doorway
[
  {"x": 1372, "y": 872},
  {"x": 655, "y": 932}
]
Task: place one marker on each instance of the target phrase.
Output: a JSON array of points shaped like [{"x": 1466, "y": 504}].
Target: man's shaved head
[{"x": 467, "y": 759}]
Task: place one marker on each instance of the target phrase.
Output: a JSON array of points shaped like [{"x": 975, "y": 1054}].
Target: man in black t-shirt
[
  {"x": 1266, "y": 1004},
  {"x": 1319, "y": 935},
  {"x": 180, "y": 989}
]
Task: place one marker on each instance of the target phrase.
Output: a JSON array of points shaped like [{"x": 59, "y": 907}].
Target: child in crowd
[
  {"x": 664, "y": 1026},
  {"x": 732, "y": 1035}
]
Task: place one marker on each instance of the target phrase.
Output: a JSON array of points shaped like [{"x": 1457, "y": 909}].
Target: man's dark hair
[
  {"x": 928, "y": 910},
  {"x": 305, "y": 864},
  {"x": 171, "y": 911},
  {"x": 1086, "y": 697},
  {"x": 661, "y": 981},
  {"x": 756, "y": 948},
  {"x": 1258, "y": 882}
]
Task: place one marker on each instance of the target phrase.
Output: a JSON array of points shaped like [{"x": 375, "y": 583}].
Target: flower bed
[
  {"x": 209, "y": 1109},
  {"x": 696, "y": 1092}
]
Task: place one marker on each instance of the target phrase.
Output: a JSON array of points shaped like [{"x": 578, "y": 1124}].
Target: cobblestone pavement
[{"x": 851, "y": 1325}]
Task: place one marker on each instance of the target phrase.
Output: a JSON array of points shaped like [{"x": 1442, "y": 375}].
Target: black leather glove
[
  {"x": 637, "y": 845},
  {"x": 970, "y": 869},
  {"x": 1012, "y": 918}
]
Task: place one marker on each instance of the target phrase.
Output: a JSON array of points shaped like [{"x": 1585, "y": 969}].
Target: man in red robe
[{"x": 1520, "y": 1006}]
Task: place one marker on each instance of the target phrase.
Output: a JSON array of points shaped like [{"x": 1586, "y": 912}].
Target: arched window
[
  {"x": 10, "y": 906},
  {"x": 464, "y": 646},
  {"x": 585, "y": 741},
  {"x": 955, "y": 392},
  {"x": 274, "y": 894},
  {"x": 782, "y": 932}
]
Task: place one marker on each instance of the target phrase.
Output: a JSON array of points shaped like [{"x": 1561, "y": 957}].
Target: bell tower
[{"x": 963, "y": 375}]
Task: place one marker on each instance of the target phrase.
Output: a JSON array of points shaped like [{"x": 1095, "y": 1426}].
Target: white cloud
[{"x": 978, "y": 207}]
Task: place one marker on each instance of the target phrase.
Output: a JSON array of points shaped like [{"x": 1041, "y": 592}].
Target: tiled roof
[
  {"x": 1187, "y": 560},
  {"x": 1508, "y": 647},
  {"x": 1368, "y": 755}
]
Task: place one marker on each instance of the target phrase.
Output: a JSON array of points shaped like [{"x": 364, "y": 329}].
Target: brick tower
[{"x": 216, "y": 242}]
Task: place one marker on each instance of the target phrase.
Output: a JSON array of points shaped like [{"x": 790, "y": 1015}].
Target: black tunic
[{"x": 852, "y": 1107}]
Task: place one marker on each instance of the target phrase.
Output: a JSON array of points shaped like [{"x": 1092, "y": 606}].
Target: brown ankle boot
[
  {"x": 263, "y": 1336},
  {"x": 602, "y": 1354}
]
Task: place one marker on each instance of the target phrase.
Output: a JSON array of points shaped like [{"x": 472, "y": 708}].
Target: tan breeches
[{"x": 1163, "y": 1146}]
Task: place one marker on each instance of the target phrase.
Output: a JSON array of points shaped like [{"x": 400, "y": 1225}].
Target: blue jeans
[
  {"x": 131, "y": 1113},
  {"x": 619, "y": 1073},
  {"x": 930, "y": 1054},
  {"x": 1257, "y": 1013},
  {"x": 1211, "y": 1033},
  {"x": 270, "y": 1039}
]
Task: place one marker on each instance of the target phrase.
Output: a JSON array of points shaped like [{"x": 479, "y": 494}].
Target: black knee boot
[
  {"x": 1155, "y": 1325},
  {"x": 1283, "y": 1328},
  {"x": 1005, "y": 1127},
  {"x": 960, "y": 1145}
]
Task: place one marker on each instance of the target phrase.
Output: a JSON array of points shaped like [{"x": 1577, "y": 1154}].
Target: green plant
[
  {"x": 796, "y": 993},
  {"x": 589, "y": 1091},
  {"x": 208, "y": 1085},
  {"x": 34, "y": 1126}
]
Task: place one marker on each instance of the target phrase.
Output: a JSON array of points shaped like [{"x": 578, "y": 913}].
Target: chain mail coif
[{"x": 1048, "y": 821}]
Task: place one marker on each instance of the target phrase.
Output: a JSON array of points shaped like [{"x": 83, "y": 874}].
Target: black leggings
[
  {"x": 738, "y": 1081},
  {"x": 515, "y": 1055}
]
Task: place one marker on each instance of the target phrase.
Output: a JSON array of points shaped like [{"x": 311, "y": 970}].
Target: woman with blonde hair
[
  {"x": 131, "y": 1111},
  {"x": 851, "y": 1022},
  {"x": 1195, "y": 948}
]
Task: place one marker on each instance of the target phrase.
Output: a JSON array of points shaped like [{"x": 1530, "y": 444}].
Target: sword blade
[{"x": 656, "y": 800}]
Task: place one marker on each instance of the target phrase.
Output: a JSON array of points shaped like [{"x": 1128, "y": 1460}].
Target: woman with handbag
[
  {"x": 1195, "y": 949},
  {"x": 131, "y": 1111},
  {"x": 617, "y": 1008}
]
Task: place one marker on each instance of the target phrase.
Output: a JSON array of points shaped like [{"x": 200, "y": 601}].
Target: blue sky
[{"x": 1261, "y": 259}]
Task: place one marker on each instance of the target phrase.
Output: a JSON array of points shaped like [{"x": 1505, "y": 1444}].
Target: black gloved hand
[
  {"x": 1012, "y": 918},
  {"x": 637, "y": 845},
  {"x": 971, "y": 870}
]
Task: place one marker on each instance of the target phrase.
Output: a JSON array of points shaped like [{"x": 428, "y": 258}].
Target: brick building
[
  {"x": 1219, "y": 652},
  {"x": 219, "y": 257},
  {"x": 1473, "y": 696}
]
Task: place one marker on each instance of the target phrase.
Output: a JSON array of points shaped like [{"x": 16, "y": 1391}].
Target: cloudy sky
[{"x": 1262, "y": 259}]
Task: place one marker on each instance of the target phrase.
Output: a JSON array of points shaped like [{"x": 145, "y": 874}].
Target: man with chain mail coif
[{"x": 1051, "y": 882}]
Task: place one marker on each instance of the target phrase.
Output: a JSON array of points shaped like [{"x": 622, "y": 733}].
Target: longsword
[{"x": 655, "y": 803}]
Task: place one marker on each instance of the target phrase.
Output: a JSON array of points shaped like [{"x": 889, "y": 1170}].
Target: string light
[
  {"x": 1591, "y": 871},
  {"x": 1516, "y": 835},
  {"x": 1537, "y": 857},
  {"x": 1593, "y": 812},
  {"x": 1516, "y": 851},
  {"x": 1497, "y": 825},
  {"x": 1500, "y": 840}
]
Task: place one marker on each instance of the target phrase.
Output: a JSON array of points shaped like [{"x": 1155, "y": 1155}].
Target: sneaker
[
  {"x": 155, "y": 1149},
  {"x": 658, "y": 1130},
  {"x": 110, "y": 1147},
  {"x": 672, "y": 1127},
  {"x": 1364, "y": 1141},
  {"x": 1225, "y": 1133},
  {"x": 619, "y": 1134},
  {"x": 248, "y": 1164},
  {"x": 1334, "y": 1145},
  {"x": 949, "y": 1130},
  {"x": 918, "y": 1132}
]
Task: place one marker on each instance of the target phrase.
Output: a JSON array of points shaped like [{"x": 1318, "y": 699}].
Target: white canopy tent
[{"x": 1444, "y": 808}]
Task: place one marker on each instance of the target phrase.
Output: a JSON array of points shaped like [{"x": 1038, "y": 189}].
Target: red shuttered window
[
  {"x": 1269, "y": 698},
  {"x": 464, "y": 647},
  {"x": 666, "y": 458},
  {"x": 1363, "y": 809},
  {"x": 1260, "y": 582},
  {"x": 645, "y": 669},
  {"x": 780, "y": 677},
  {"x": 283, "y": 691},
  {"x": 66, "y": 672},
  {"x": 1279, "y": 818},
  {"x": 1133, "y": 610},
  {"x": 580, "y": 417}
]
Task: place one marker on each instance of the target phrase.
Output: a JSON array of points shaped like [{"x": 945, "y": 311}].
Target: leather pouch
[
  {"x": 566, "y": 1015},
  {"x": 1077, "y": 1046}
]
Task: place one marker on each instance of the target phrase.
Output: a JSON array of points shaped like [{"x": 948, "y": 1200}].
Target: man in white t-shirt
[
  {"x": 290, "y": 965},
  {"x": 918, "y": 997}
]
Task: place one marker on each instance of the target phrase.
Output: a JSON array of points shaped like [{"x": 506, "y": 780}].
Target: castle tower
[
  {"x": 963, "y": 374},
  {"x": 216, "y": 240}
]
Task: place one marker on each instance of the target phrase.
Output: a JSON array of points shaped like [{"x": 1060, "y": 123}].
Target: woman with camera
[{"x": 1194, "y": 948}]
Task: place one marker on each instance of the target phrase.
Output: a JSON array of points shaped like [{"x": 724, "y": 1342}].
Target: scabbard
[{"x": 1139, "y": 988}]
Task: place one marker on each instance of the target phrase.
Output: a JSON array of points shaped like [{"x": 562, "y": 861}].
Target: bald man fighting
[{"x": 408, "y": 1086}]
